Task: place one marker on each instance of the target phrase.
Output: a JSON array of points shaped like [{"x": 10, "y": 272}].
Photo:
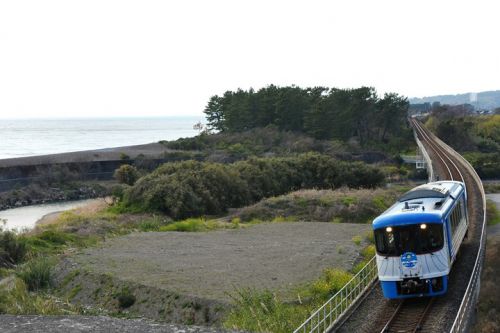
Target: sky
[{"x": 166, "y": 58}]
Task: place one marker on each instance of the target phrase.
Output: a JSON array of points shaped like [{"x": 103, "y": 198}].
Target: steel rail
[
  {"x": 442, "y": 153},
  {"x": 464, "y": 314},
  {"x": 405, "y": 307},
  {"x": 431, "y": 142},
  {"x": 391, "y": 320},
  {"x": 438, "y": 154}
]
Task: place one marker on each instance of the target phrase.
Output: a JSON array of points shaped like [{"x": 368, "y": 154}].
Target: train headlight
[
  {"x": 388, "y": 229},
  {"x": 423, "y": 226}
]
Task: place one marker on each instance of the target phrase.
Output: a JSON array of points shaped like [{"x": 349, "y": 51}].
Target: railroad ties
[{"x": 409, "y": 316}]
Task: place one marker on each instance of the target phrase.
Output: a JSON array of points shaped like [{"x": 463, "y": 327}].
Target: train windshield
[{"x": 417, "y": 238}]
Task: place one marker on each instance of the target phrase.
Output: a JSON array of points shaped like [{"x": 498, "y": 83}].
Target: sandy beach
[{"x": 93, "y": 206}]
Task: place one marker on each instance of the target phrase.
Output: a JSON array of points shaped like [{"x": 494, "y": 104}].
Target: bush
[
  {"x": 37, "y": 274},
  {"x": 12, "y": 249},
  {"x": 331, "y": 281},
  {"x": 126, "y": 174},
  {"x": 492, "y": 213},
  {"x": 151, "y": 224},
  {"x": 125, "y": 299},
  {"x": 190, "y": 188},
  {"x": 487, "y": 165},
  {"x": 357, "y": 240},
  {"x": 197, "y": 224}
]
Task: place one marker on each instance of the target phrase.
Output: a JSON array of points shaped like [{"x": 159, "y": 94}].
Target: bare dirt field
[
  {"x": 211, "y": 264},
  {"x": 188, "y": 277}
]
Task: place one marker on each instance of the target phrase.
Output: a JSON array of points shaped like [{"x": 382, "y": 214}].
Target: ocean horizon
[{"x": 21, "y": 137}]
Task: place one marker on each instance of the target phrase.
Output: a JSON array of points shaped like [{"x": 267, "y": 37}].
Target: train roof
[{"x": 425, "y": 203}]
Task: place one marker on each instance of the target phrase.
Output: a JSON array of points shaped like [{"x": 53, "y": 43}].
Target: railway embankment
[{"x": 375, "y": 312}]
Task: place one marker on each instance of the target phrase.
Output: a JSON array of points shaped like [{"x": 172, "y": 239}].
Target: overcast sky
[{"x": 162, "y": 58}]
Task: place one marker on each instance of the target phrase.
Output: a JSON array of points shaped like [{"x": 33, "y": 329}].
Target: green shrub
[
  {"x": 126, "y": 174},
  {"x": 151, "y": 224},
  {"x": 330, "y": 282},
  {"x": 55, "y": 237},
  {"x": 379, "y": 202},
  {"x": 124, "y": 157},
  {"x": 125, "y": 298},
  {"x": 190, "y": 188},
  {"x": 492, "y": 213},
  {"x": 236, "y": 222},
  {"x": 357, "y": 240},
  {"x": 189, "y": 225},
  {"x": 348, "y": 201},
  {"x": 368, "y": 252},
  {"x": 37, "y": 273},
  {"x": 18, "y": 301},
  {"x": 12, "y": 249}
]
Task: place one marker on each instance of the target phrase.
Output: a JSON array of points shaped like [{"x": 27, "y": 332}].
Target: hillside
[{"x": 483, "y": 100}]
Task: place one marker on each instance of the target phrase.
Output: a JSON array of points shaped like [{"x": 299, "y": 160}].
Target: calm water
[
  {"x": 25, "y": 217},
  {"x": 28, "y": 137}
]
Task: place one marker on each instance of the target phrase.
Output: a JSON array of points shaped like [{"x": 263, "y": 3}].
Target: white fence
[{"x": 330, "y": 313}]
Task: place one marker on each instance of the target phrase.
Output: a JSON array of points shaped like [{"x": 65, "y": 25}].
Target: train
[{"x": 418, "y": 238}]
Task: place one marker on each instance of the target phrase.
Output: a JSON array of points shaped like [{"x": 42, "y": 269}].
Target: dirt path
[{"x": 210, "y": 265}]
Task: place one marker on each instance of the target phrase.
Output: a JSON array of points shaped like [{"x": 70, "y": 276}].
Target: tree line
[{"x": 324, "y": 113}]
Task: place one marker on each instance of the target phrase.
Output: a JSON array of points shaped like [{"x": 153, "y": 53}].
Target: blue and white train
[{"x": 418, "y": 238}]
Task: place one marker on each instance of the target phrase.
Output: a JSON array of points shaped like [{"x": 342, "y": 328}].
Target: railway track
[
  {"x": 412, "y": 315},
  {"x": 452, "y": 170},
  {"x": 409, "y": 316}
]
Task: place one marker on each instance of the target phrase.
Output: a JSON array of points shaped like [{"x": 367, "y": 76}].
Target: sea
[{"x": 31, "y": 137}]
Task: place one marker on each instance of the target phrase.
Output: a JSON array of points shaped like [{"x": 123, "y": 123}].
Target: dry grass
[
  {"x": 342, "y": 205},
  {"x": 17, "y": 300}
]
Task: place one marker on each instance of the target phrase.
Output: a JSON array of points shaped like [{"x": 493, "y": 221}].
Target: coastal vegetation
[
  {"x": 492, "y": 213},
  {"x": 476, "y": 137},
  {"x": 191, "y": 188},
  {"x": 340, "y": 205},
  {"x": 320, "y": 112},
  {"x": 274, "y": 155},
  {"x": 126, "y": 174}
]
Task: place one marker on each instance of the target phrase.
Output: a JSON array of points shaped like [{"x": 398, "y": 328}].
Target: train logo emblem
[{"x": 409, "y": 259}]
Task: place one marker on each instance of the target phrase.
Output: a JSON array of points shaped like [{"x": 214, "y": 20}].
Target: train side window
[{"x": 454, "y": 219}]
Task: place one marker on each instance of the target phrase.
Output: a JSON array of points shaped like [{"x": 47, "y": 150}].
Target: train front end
[
  {"x": 412, "y": 260},
  {"x": 412, "y": 240}
]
